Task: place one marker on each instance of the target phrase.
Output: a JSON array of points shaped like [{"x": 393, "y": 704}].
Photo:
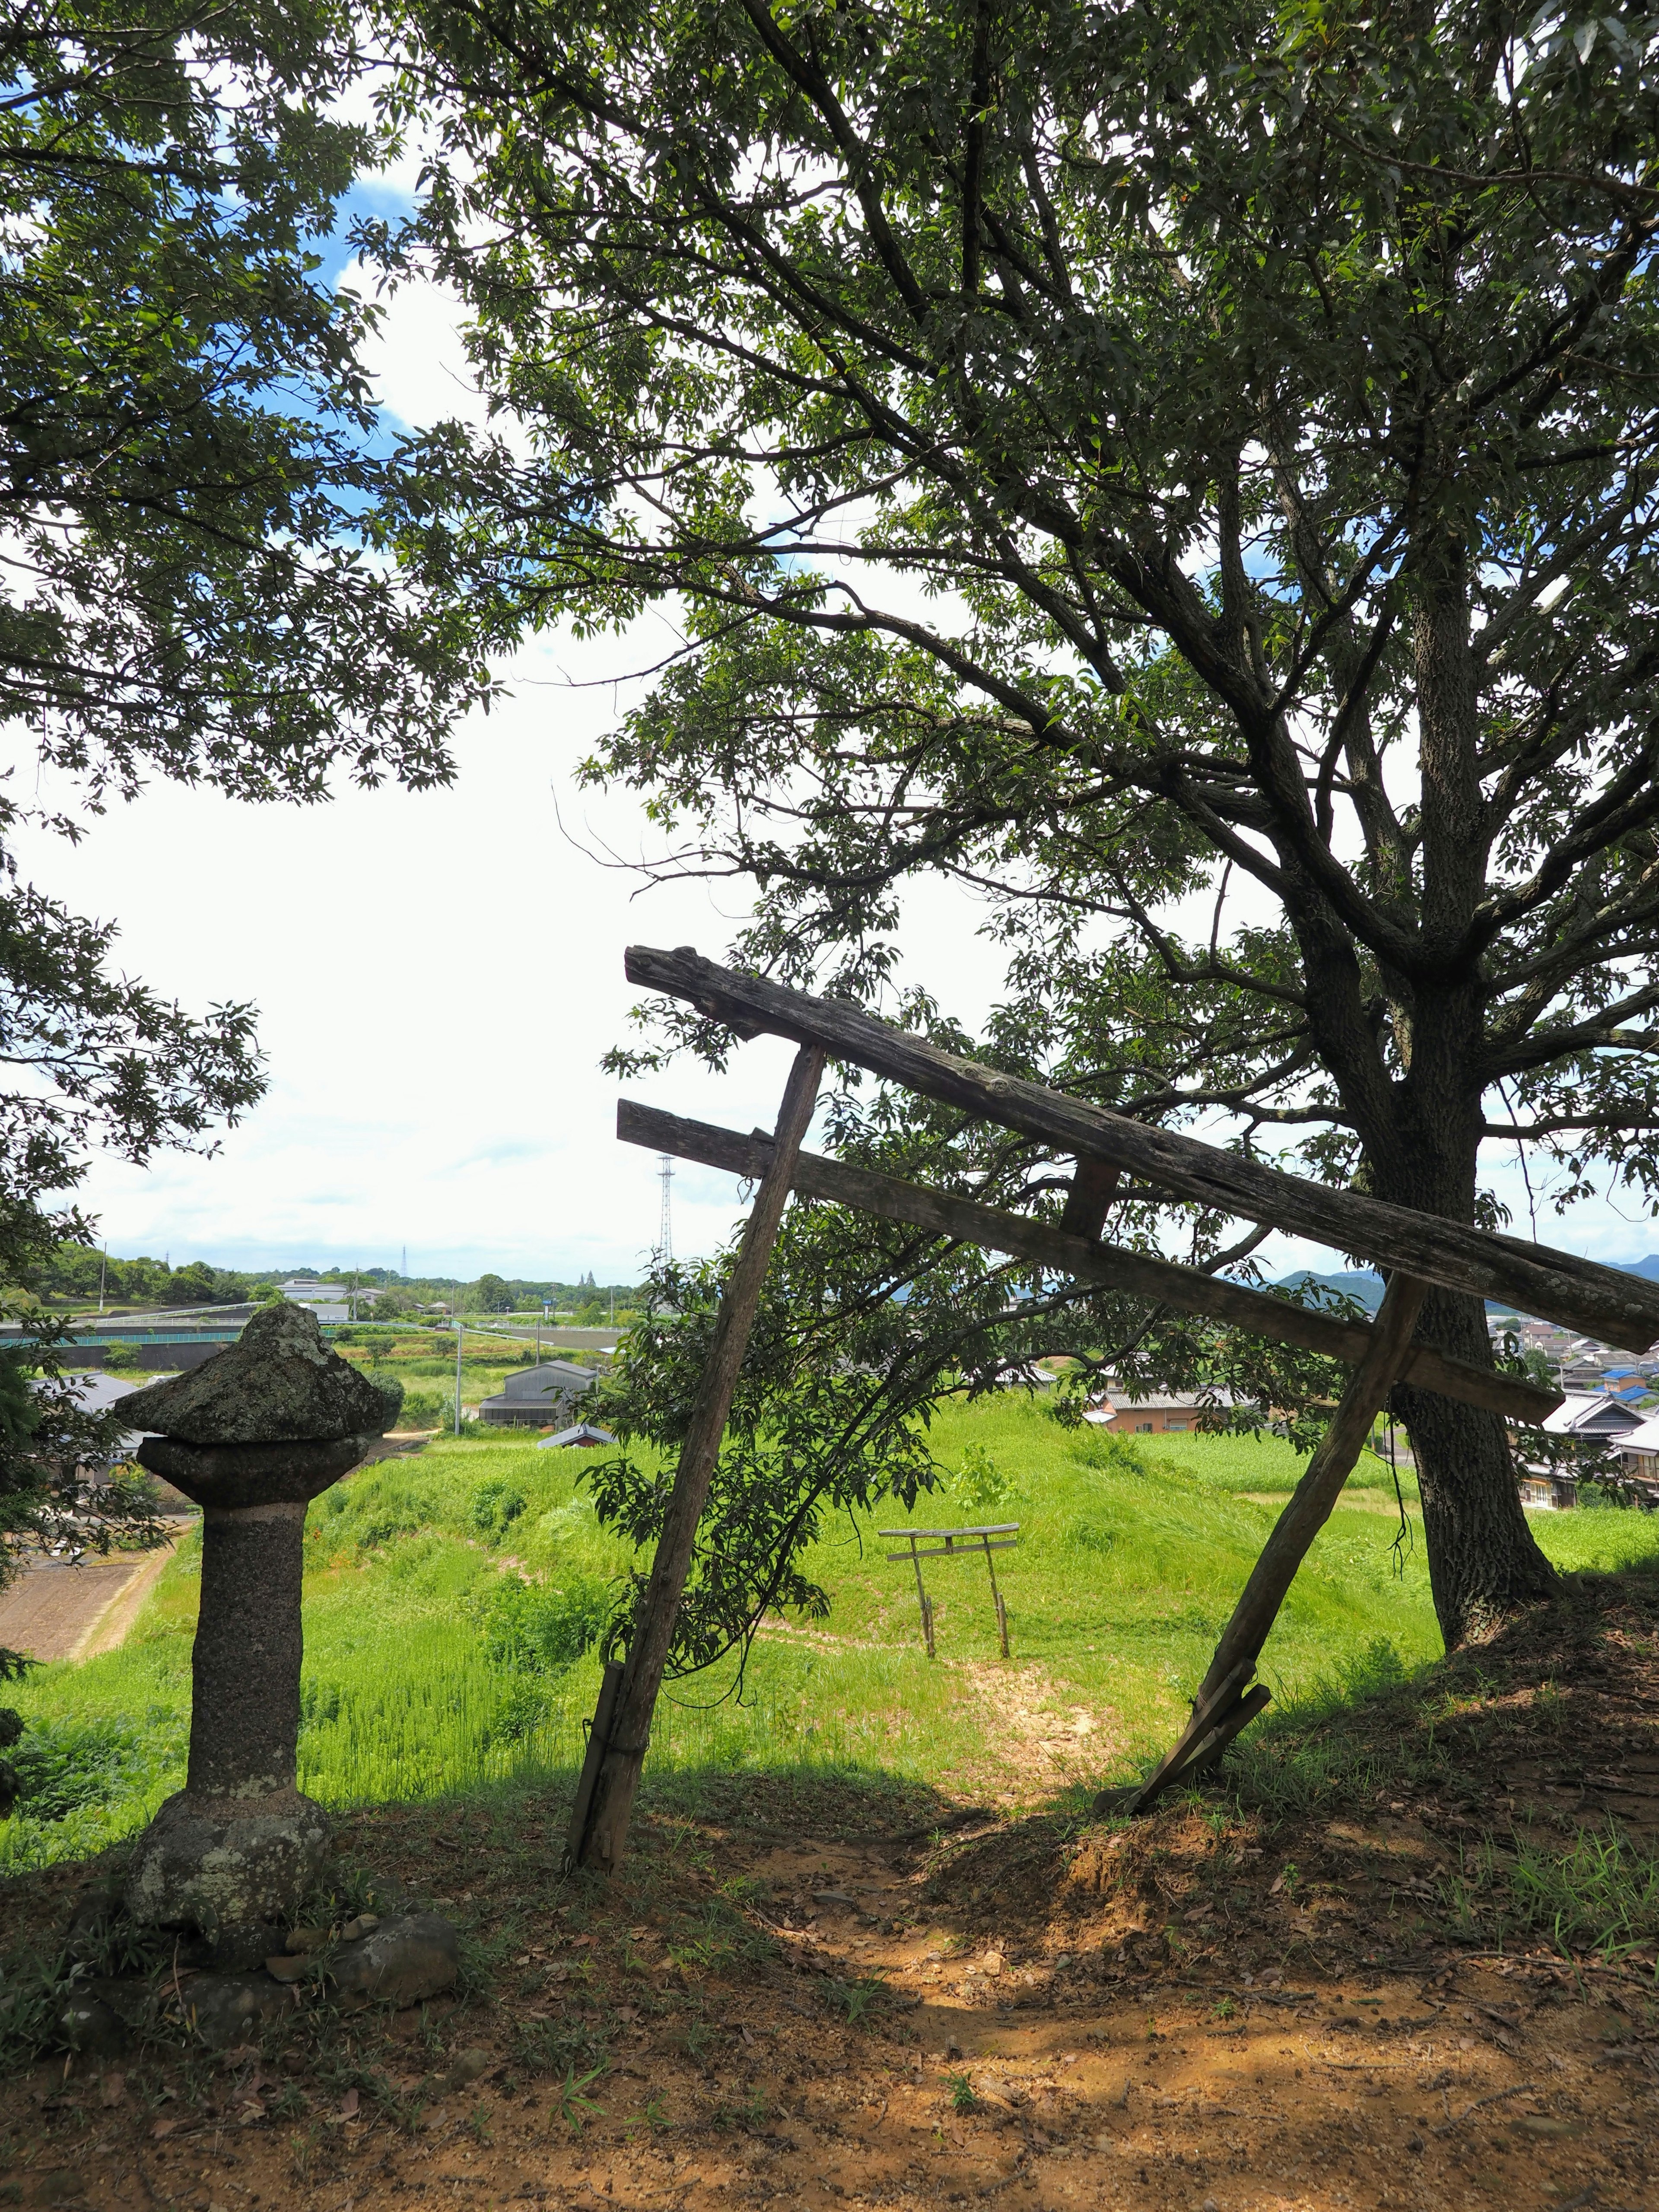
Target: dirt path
[
  {"x": 1006, "y": 2076},
  {"x": 1034, "y": 1742}
]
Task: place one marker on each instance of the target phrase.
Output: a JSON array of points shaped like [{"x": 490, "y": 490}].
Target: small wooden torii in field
[{"x": 1416, "y": 1250}]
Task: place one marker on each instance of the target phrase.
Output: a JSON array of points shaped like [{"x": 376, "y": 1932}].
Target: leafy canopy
[
  {"x": 209, "y": 572},
  {"x": 1102, "y": 449},
  {"x": 1184, "y": 473},
  {"x": 202, "y": 574}
]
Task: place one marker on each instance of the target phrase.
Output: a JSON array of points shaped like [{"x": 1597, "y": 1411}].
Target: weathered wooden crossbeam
[
  {"x": 1559, "y": 1287},
  {"x": 958, "y": 1543},
  {"x": 1188, "y": 1290}
]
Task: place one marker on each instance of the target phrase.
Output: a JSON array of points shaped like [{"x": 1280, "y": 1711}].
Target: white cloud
[
  {"x": 416, "y": 357},
  {"x": 438, "y": 974}
]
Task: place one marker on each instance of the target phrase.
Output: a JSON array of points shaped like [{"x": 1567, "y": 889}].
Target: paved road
[{"x": 58, "y": 1612}]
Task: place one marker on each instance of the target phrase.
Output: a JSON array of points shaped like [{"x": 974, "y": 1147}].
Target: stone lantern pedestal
[{"x": 251, "y": 1436}]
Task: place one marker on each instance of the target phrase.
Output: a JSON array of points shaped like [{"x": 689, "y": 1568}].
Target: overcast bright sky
[{"x": 437, "y": 977}]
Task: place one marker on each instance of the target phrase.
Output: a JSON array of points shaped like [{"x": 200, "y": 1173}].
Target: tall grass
[{"x": 1127, "y": 1566}]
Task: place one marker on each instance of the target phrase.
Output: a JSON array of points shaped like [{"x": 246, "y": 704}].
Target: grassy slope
[{"x": 1117, "y": 1592}]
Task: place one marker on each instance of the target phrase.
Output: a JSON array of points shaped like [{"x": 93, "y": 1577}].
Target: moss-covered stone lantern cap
[{"x": 278, "y": 1383}]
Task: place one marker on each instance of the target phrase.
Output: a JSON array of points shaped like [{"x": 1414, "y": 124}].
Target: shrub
[
  {"x": 497, "y": 1505},
  {"x": 534, "y": 1628},
  {"x": 386, "y": 1526},
  {"x": 519, "y": 1714},
  {"x": 980, "y": 1485},
  {"x": 422, "y": 1409},
  {"x": 67, "y": 1767}
]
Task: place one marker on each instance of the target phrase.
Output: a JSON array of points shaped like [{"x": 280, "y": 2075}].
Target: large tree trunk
[
  {"x": 1422, "y": 1129},
  {"x": 1484, "y": 1564}
]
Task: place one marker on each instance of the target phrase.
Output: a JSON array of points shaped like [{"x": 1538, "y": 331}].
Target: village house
[
  {"x": 1595, "y": 1420},
  {"x": 1160, "y": 1412},
  {"x": 1638, "y": 1447}
]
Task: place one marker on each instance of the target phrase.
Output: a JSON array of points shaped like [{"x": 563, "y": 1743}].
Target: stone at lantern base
[{"x": 229, "y": 1873}]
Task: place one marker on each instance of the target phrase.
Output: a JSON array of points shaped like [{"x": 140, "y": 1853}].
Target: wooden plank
[
  {"x": 960, "y": 1552},
  {"x": 1188, "y": 1290},
  {"x": 603, "y": 1843},
  {"x": 989, "y": 1528},
  {"x": 1558, "y": 1286}
]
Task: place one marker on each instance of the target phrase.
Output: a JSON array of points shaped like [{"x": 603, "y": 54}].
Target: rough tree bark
[{"x": 1484, "y": 1564}]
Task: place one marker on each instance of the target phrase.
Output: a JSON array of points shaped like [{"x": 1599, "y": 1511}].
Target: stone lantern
[{"x": 250, "y": 1436}]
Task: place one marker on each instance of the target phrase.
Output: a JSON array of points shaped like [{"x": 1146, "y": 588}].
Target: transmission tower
[{"x": 666, "y": 1231}]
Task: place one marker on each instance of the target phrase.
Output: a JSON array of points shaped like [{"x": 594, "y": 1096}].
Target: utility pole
[
  {"x": 541, "y": 1317},
  {"x": 460, "y": 1328},
  {"x": 103, "y": 1270},
  {"x": 666, "y": 1230}
]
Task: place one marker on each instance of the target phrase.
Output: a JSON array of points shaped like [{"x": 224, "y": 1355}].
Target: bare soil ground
[{"x": 1345, "y": 1992}]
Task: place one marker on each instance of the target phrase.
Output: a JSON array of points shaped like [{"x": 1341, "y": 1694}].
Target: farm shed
[{"x": 534, "y": 1397}]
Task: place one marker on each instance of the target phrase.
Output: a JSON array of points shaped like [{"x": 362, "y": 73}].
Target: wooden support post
[
  {"x": 1220, "y": 1709},
  {"x": 598, "y": 1735},
  {"x": 922, "y": 1600},
  {"x": 605, "y": 1831},
  {"x": 996, "y": 1597},
  {"x": 1089, "y": 1199}
]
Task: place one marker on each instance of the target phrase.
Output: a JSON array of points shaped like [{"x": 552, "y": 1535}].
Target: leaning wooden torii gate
[{"x": 1416, "y": 1250}]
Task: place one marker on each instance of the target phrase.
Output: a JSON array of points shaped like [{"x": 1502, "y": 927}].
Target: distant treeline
[{"x": 75, "y": 1271}]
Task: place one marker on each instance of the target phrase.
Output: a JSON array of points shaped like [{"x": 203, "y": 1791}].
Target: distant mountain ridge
[{"x": 1365, "y": 1285}]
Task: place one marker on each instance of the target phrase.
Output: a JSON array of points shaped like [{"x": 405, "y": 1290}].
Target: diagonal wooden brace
[
  {"x": 1188, "y": 1290},
  {"x": 1220, "y": 1710}
]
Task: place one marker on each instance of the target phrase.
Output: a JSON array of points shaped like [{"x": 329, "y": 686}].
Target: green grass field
[{"x": 1121, "y": 1579}]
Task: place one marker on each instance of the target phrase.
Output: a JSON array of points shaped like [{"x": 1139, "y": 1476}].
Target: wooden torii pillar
[
  {"x": 1416, "y": 1250},
  {"x": 621, "y": 1732}
]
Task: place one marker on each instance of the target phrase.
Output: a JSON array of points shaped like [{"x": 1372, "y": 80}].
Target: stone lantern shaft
[{"x": 245, "y": 1712}]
